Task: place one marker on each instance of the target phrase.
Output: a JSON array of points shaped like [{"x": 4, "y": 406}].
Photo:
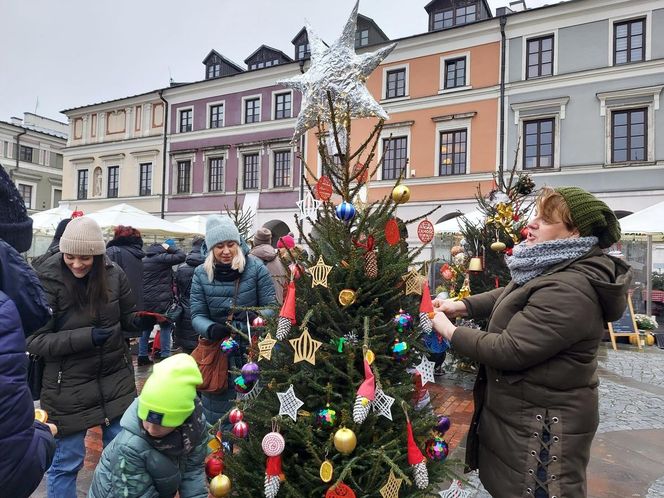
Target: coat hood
[
  {"x": 195, "y": 256},
  {"x": 265, "y": 252},
  {"x": 610, "y": 277},
  {"x": 155, "y": 248},
  {"x": 133, "y": 244}
]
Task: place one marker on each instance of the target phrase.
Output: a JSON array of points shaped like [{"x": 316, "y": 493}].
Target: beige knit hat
[{"x": 82, "y": 237}]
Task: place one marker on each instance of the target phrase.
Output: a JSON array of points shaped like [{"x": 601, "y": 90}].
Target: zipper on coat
[
  {"x": 59, "y": 377},
  {"x": 101, "y": 391}
]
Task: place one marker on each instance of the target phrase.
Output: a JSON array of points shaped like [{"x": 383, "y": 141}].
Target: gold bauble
[
  {"x": 41, "y": 415},
  {"x": 650, "y": 340},
  {"x": 220, "y": 485},
  {"x": 456, "y": 250},
  {"x": 345, "y": 441},
  {"x": 347, "y": 297},
  {"x": 400, "y": 194},
  {"x": 498, "y": 246}
]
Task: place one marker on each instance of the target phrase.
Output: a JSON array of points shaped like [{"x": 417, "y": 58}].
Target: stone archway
[{"x": 278, "y": 229}]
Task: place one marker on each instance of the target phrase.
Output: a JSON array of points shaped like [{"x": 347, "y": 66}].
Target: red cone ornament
[
  {"x": 416, "y": 460},
  {"x": 426, "y": 309},
  {"x": 287, "y": 313},
  {"x": 365, "y": 395}
]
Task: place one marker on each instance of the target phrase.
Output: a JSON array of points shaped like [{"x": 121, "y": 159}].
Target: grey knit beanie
[
  {"x": 263, "y": 236},
  {"x": 220, "y": 229},
  {"x": 82, "y": 237}
]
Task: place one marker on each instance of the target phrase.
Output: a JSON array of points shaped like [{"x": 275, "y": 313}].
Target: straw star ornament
[
  {"x": 290, "y": 404},
  {"x": 319, "y": 273},
  {"x": 413, "y": 281}
]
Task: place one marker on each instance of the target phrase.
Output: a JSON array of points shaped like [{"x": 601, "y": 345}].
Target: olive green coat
[{"x": 538, "y": 373}]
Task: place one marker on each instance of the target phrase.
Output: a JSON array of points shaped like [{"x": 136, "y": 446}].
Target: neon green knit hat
[
  {"x": 591, "y": 216},
  {"x": 167, "y": 397}
]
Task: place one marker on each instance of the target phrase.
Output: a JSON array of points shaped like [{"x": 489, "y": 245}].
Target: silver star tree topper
[{"x": 339, "y": 70}]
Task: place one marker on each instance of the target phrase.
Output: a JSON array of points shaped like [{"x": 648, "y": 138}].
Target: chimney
[
  {"x": 16, "y": 121},
  {"x": 518, "y": 5}
]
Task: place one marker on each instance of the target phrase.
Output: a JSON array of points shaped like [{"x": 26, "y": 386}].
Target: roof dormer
[
  {"x": 265, "y": 56},
  {"x": 217, "y": 65},
  {"x": 444, "y": 14},
  {"x": 301, "y": 42},
  {"x": 367, "y": 32}
]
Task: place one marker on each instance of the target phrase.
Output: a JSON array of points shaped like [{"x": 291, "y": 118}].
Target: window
[
  {"x": 362, "y": 38},
  {"x": 455, "y": 73},
  {"x": 540, "y": 57},
  {"x": 216, "y": 174},
  {"x": 453, "y": 17},
  {"x": 214, "y": 70},
  {"x": 113, "y": 181},
  {"x": 26, "y": 194},
  {"x": 282, "y": 106},
  {"x": 396, "y": 84},
  {"x": 282, "y": 168},
  {"x": 394, "y": 161},
  {"x": 250, "y": 172},
  {"x": 303, "y": 51},
  {"x": 82, "y": 192},
  {"x": 185, "y": 120},
  {"x": 252, "y": 110},
  {"x": 629, "y": 135},
  {"x": 453, "y": 148},
  {"x": 145, "y": 185},
  {"x": 217, "y": 116},
  {"x": 629, "y": 41},
  {"x": 538, "y": 143},
  {"x": 25, "y": 154},
  {"x": 184, "y": 177}
]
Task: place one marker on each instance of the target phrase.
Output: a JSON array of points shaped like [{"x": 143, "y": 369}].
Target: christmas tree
[{"x": 328, "y": 403}]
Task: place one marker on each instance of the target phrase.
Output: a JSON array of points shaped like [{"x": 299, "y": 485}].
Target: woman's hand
[
  {"x": 451, "y": 307},
  {"x": 443, "y": 326},
  {"x": 53, "y": 428}
]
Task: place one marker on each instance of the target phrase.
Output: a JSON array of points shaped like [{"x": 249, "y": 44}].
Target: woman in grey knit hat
[{"x": 88, "y": 376}]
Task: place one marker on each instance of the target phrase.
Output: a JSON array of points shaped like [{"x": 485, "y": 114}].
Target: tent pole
[{"x": 649, "y": 275}]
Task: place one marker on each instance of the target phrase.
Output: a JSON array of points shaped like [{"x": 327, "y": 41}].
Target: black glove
[
  {"x": 217, "y": 331},
  {"x": 242, "y": 316},
  {"x": 100, "y": 336},
  {"x": 146, "y": 322}
]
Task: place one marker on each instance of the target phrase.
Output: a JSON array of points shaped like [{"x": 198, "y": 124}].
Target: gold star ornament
[
  {"x": 391, "y": 487},
  {"x": 414, "y": 282},
  {"x": 265, "y": 347},
  {"x": 319, "y": 273},
  {"x": 305, "y": 348}
]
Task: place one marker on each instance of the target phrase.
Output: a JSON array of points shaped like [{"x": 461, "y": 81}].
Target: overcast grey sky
[{"x": 70, "y": 53}]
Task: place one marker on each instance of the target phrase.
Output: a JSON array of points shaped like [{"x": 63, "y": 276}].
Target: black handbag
[
  {"x": 175, "y": 310},
  {"x": 35, "y": 374}
]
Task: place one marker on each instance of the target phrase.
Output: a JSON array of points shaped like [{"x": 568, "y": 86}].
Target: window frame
[
  {"x": 454, "y": 133},
  {"x": 275, "y": 96},
  {"x": 214, "y": 66},
  {"x": 538, "y": 121},
  {"x": 148, "y": 177},
  {"x": 244, "y": 155},
  {"x": 245, "y": 101},
  {"x": 386, "y": 150},
  {"x": 448, "y": 63},
  {"x": 210, "y": 106},
  {"x": 179, "y": 183},
  {"x": 629, "y": 111},
  {"x": 303, "y": 50},
  {"x": 86, "y": 173},
  {"x": 109, "y": 181},
  {"x": 23, "y": 156},
  {"x": 454, "y": 11},
  {"x": 443, "y": 72},
  {"x": 648, "y": 33},
  {"x": 33, "y": 193},
  {"x": 273, "y": 168},
  {"x": 221, "y": 182},
  {"x": 361, "y": 37},
  {"x": 392, "y": 69},
  {"x": 629, "y": 23},
  {"x": 540, "y": 38},
  {"x": 181, "y": 111}
]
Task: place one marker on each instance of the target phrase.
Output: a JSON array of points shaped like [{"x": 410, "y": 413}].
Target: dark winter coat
[
  {"x": 84, "y": 385},
  {"x": 270, "y": 258},
  {"x": 39, "y": 260},
  {"x": 185, "y": 334},
  {"x": 158, "y": 277},
  {"x": 538, "y": 374},
  {"x": 27, "y": 445},
  {"x": 128, "y": 253},
  {"x": 132, "y": 467}
]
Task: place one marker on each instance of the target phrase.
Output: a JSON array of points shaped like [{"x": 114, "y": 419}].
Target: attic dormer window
[
  {"x": 303, "y": 51},
  {"x": 456, "y": 16},
  {"x": 362, "y": 38},
  {"x": 214, "y": 70}
]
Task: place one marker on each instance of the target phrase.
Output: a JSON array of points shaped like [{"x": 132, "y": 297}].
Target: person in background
[
  {"x": 163, "y": 443},
  {"x": 54, "y": 246},
  {"x": 536, "y": 398},
  {"x": 264, "y": 251},
  {"x": 228, "y": 280},
  {"x": 185, "y": 335},
  {"x": 88, "y": 377},
  {"x": 27, "y": 444},
  {"x": 126, "y": 250},
  {"x": 158, "y": 293}
]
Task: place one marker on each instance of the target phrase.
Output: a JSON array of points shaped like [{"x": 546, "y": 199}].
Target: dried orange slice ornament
[
  {"x": 41, "y": 415},
  {"x": 326, "y": 471}
]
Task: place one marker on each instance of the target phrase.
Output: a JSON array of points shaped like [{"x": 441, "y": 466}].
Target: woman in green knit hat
[
  {"x": 162, "y": 446},
  {"x": 536, "y": 399}
]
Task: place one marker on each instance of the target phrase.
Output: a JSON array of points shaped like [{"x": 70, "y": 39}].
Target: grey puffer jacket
[
  {"x": 132, "y": 467},
  {"x": 536, "y": 389},
  {"x": 84, "y": 385},
  {"x": 270, "y": 258}
]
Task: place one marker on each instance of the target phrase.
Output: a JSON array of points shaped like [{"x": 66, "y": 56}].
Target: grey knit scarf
[{"x": 527, "y": 262}]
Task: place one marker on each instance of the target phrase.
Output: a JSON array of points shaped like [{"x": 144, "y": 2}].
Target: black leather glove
[
  {"x": 217, "y": 331},
  {"x": 100, "y": 336}
]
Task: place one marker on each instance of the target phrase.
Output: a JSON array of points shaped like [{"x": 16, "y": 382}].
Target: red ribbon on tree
[
  {"x": 273, "y": 466},
  {"x": 288, "y": 308}
]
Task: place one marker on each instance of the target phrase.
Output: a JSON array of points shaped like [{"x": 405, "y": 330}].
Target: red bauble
[
  {"x": 235, "y": 415},
  {"x": 340, "y": 490},
  {"x": 76, "y": 214},
  {"x": 361, "y": 172},
  {"x": 324, "y": 188},
  {"x": 524, "y": 233},
  {"x": 259, "y": 321},
  {"x": 392, "y": 235},
  {"x": 425, "y": 231},
  {"x": 214, "y": 464},
  {"x": 241, "y": 429}
]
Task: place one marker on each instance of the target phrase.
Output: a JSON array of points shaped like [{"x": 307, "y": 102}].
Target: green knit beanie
[
  {"x": 167, "y": 397},
  {"x": 591, "y": 216}
]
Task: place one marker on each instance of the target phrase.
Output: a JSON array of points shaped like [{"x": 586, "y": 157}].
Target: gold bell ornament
[
  {"x": 475, "y": 264},
  {"x": 400, "y": 194}
]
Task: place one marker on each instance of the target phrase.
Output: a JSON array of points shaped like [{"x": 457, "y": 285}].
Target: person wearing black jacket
[
  {"x": 158, "y": 293},
  {"x": 54, "y": 246},
  {"x": 126, "y": 250},
  {"x": 185, "y": 335}
]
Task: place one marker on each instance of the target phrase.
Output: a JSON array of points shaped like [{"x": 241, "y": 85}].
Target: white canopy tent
[
  {"x": 476, "y": 217},
  {"x": 196, "y": 223},
  {"x": 124, "y": 214},
  {"x": 47, "y": 221}
]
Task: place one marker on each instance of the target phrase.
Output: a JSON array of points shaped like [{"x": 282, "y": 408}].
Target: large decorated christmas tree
[{"x": 332, "y": 396}]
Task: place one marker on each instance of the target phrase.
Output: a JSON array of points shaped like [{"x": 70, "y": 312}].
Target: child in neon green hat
[{"x": 162, "y": 446}]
